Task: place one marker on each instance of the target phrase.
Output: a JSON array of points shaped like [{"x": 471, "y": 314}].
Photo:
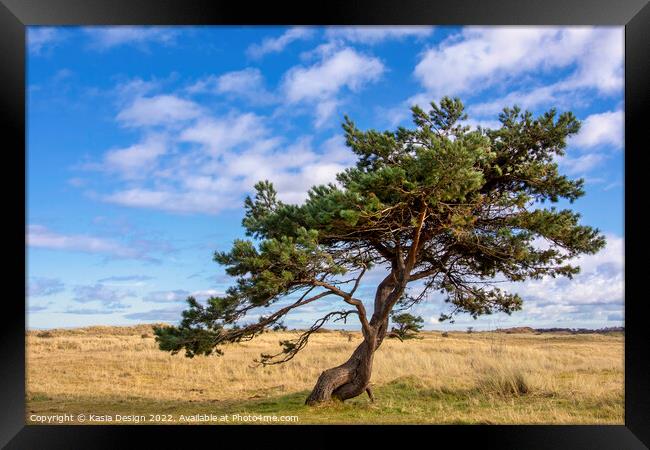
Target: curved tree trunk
[{"x": 352, "y": 378}]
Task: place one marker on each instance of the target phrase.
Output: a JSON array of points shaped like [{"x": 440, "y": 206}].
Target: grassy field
[{"x": 118, "y": 375}]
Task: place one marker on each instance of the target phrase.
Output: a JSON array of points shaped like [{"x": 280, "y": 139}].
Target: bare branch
[{"x": 292, "y": 347}]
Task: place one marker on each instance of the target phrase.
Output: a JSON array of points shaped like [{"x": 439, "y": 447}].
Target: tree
[
  {"x": 408, "y": 326},
  {"x": 448, "y": 209}
]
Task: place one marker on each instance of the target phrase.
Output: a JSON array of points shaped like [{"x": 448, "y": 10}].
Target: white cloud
[
  {"x": 479, "y": 58},
  {"x": 321, "y": 83},
  {"x": 600, "y": 129},
  {"x": 172, "y": 314},
  {"x": 600, "y": 62},
  {"x": 277, "y": 45},
  {"x": 177, "y": 295},
  {"x": 158, "y": 110},
  {"x": 39, "y": 38},
  {"x": 205, "y": 294},
  {"x": 136, "y": 160},
  {"x": 345, "y": 68},
  {"x": 376, "y": 34},
  {"x": 43, "y": 286},
  {"x": 171, "y": 200},
  {"x": 110, "y": 298},
  {"x": 221, "y": 134},
  {"x": 38, "y": 236},
  {"x": 135, "y": 88},
  {"x": 247, "y": 84},
  {"x": 524, "y": 99},
  {"x": 592, "y": 298},
  {"x": 134, "y": 280},
  {"x": 103, "y": 38},
  {"x": 234, "y": 152},
  {"x": 582, "y": 164},
  {"x": 598, "y": 286}
]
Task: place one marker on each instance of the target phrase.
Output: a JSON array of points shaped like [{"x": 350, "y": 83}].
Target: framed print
[{"x": 363, "y": 217}]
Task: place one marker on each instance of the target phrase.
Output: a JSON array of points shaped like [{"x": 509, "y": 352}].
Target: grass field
[{"x": 488, "y": 378}]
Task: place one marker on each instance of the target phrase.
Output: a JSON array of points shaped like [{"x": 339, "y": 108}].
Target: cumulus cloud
[
  {"x": 600, "y": 129},
  {"x": 247, "y": 84},
  {"x": 207, "y": 164},
  {"x": 42, "y": 286},
  {"x": 158, "y": 110},
  {"x": 598, "y": 288},
  {"x": 480, "y": 57},
  {"x": 277, "y": 45},
  {"x": 375, "y": 34},
  {"x": 220, "y": 134},
  {"x": 135, "y": 160},
  {"x": 104, "y": 38},
  {"x": 217, "y": 180},
  {"x": 591, "y": 298},
  {"x": 321, "y": 83},
  {"x": 344, "y": 68}
]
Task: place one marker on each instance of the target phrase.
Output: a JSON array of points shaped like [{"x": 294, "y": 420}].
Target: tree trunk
[
  {"x": 352, "y": 378},
  {"x": 347, "y": 380}
]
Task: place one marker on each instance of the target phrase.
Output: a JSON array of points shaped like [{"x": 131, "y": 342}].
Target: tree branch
[
  {"x": 291, "y": 348},
  {"x": 413, "y": 251},
  {"x": 347, "y": 297}
]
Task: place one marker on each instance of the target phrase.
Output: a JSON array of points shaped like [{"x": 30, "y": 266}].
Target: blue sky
[{"x": 143, "y": 141}]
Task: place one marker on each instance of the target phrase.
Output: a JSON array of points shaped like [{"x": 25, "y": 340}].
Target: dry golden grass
[{"x": 497, "y": 378}]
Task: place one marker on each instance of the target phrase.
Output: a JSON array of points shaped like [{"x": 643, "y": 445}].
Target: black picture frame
[{"x": 15, "y": 15}]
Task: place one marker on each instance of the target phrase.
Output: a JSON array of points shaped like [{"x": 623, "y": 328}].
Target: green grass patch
[{"x": 402, "y": 401}]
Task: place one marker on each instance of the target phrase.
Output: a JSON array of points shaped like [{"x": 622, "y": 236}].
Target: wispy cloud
[
  {"x": 157, "y": 315},
  {"x": 93, "y": 311},
  {"x": 40, "y": 39},
  {"x": 38, "y": 236},
  {"x": 125, "y": 278},
  {"x": 371, "y": 34},
  {"x": 246, "y": 84},
  {"x": 582, "y": 164},
  {"x": 42, "y": 286},
  {"x": 158, "y": 110},
  {"x": 278, "y": 44},
  {"x": 109, "y": 297},
  {"x": 178, "y": 295},
  {"x": 104, "y": 38}
]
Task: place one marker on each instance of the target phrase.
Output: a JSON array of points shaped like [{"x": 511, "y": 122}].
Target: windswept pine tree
[
  {"x": 440, "y": 206},
  {"x": 406, "y": 326}
]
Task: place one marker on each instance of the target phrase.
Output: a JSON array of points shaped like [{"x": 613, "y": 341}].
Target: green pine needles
[
  {"x": 453, "y": 210},
  {"x": 407, "y": 326}
]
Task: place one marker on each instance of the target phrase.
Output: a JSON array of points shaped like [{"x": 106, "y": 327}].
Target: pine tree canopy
[
  {"x": 453, "y": 209},
  {"x": 407, "y": 326}
]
